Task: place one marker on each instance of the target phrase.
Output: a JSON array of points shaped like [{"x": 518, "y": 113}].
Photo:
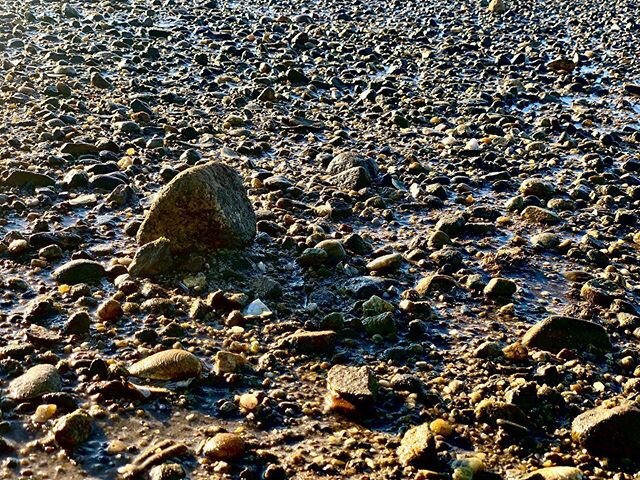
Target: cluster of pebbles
[{"x": 331, "y": 239}]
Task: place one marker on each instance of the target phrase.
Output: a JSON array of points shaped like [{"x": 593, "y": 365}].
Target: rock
[
  {"x": 78, "y": 149},
  {"x": 297, "y": 77},
  {"x": 357, "y": 385},
  {"x": 488, "y": 349},
  {"x": 41, "y": 336},
  {"x": 577, "y": 276},
  {"x": 79, "y": 271},
  {"x": 26, "y": 178},
  {"x": 268, "y": 95},
  {"x": 500, "y": 288},
  {"x": 540, "y": 215},
  {"x": 109, "y": 310},
  {"x": 107, "y": 182},
  {"x": 632, "y": 88},
  {"x": 44, "y": 413},
  {"x": 167, "y": 365},
  {"x": 385, "y": 263},
  {"x": 312, "y": 257},
  {"x": 224, "y": 447},
  {"x": 376, "y": 306},
  {"x": 539, "y": 188},
  {"x": 562, "y": 65},
  {"x": 451, "y": 224},
  {"x": 99, "y": 81},
  {"x": 356, "y": 244},
  {"x": 152, "y": 259},
  {"x": 257, "y": 309},
  {"x": 555, "y": 473},
  {"x": 600, "y": 291},
  {"x": 128, "y": 126},
  {"x": 382, "y": 324},
  {"x": 227, "y": 362},
  {"x": 72, "y": 429},
  {"x": 353, "y": 179},
  {"x": 439, "y": 239},
  {"x": 557, "y": 332},
  {"x": 348, "y": 160},
  {"x": 70, "y": 11},
  {"x": 79, "y": 323},
  {"x": 35, "y": 382},
  {"x": 334, "y": 250},
  {"x": 609, "y": 432},
  {"x": 365, "y": 286},
  {"x": 313, "y": 342},
  {"x": 497, "y": 6},
  {"x": 18, "y": 247},
  {"x": 418, "y": 447},
  {"x": 277, "y": 183},
  {"x": 545, "y": 241},
  {"x": 167, "y": 471},
  {"x": 435, "y": 282},
  {"x": 490, "y": 411},
  {"x": 203, "y": 208}
]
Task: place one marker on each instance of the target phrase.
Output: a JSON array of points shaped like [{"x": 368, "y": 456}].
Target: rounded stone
[{"x": 35, "y": 382}]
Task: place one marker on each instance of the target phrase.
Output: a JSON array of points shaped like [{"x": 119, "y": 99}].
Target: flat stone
[
  {"x": 27, "y": 178},
  {"x": 540, "y": 215},
  {"x": 313, "y": 342},
  {"x": 557, "y": 332},
  {"x": 385, "y": 263},
  {"x": 35, "y": 382},
  {"x": 357, "y": 385}
]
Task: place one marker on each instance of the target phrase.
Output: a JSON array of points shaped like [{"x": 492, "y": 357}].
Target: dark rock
[
  {"x": 556, "y": 332},
  {"x": 79, "y": 271},
  {"x": 609, "y": 432}
]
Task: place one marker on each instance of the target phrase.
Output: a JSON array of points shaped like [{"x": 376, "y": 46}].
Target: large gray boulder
[{"x": 203, "y": 208}]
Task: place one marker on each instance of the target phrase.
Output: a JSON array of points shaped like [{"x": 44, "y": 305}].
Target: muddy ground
[{"x": 472, "y": 145}]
